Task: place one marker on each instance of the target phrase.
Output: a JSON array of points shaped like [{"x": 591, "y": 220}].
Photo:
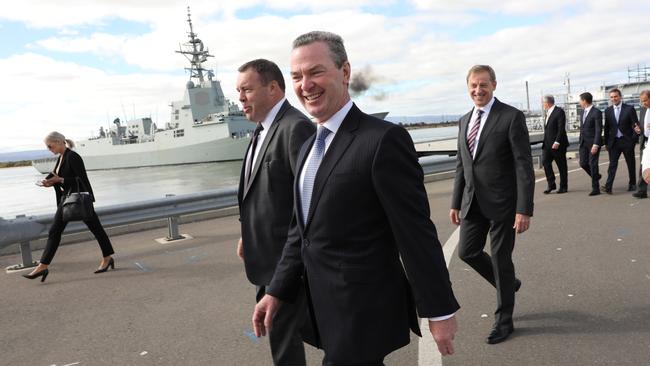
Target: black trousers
[
  {"x": 642, "y": 186},
  {"x": 285, "y": 336},
  {"x": 625, "y": 147},
  {"x": 327, "y": 362},
  {"x": 54, "y": 237},
  {"x": 497, "y": 267},
  {"x": 589, "y": 163},
  {"x": 559, "y": 157}
]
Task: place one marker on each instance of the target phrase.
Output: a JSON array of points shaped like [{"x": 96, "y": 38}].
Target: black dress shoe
[
  {"x": 561, "y": 190},
  {"x": 640, "y": 195},
  {"x": 499, "y": 334},
  {"x": 631, "y": 187},
  {"x": 550, "y": 189},
  {"x": 594, "y": 193},
  {"x": 606, "y": 190},
  {"x": 111, "y": 264}
]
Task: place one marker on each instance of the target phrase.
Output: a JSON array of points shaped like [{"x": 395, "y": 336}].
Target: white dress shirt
[
  {"x": 645, "y": 160},
  {"x": 617, "y": 114},
  {"x": 486, "y": 111},
  {"x": 266, "y": 123},
  {"x": 333, "y": 124},
  {"x": 646, "y": 122}
]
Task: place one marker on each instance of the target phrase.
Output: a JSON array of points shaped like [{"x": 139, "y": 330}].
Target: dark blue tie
[{"x": 312, "y": 169}]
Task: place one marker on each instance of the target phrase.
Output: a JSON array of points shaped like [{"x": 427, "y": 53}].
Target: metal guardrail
[{"x": 24, "y": 229}]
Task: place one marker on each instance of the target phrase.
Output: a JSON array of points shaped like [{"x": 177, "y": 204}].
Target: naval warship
[{"x": 204, "y": 127}]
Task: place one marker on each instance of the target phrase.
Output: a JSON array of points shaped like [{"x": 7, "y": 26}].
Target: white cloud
[{"x": 422, "y": 67}]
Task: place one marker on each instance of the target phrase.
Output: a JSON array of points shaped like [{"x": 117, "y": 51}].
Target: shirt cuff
[
  {"x": 441, "y": 318},
  {"x": 596, "y": 146},
  {"x": 556, "y": 142}
]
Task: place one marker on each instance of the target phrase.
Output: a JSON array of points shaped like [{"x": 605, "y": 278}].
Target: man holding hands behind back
[
  {"x": 493, "y": 191},
  {"x": 360, "y": 207}
]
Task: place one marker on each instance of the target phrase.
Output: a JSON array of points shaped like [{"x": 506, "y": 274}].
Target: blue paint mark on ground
[
  {"x": 251, "y": 335},
  {"x": 141, "y": 267},
  {"x": 623, "y": 232},
  {"x": 196, "y": 258}
]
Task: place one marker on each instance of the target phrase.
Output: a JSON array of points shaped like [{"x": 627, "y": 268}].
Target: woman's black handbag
[{"x": 77, "y": 206}]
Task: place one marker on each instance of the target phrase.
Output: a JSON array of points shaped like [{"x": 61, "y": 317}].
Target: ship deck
[{"x": 585, "y": 298}]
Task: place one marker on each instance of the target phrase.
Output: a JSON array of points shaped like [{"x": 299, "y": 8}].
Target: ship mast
[{"x": 195, "y": 53}]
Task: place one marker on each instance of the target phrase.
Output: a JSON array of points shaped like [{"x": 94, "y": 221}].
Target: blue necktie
[{"x": 312, "y": 169}]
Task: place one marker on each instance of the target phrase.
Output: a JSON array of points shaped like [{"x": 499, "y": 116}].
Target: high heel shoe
[
  {"x": 42, "y": 273},
  {"x": 111, "y": 263}
]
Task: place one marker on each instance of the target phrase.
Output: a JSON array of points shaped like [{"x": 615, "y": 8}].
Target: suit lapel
[
  {"x": 464, "y": 124},
  {"x": 342, "y": 140},
  {"x": 489, "y": 125},
  {"x": 265, "y": 145},
  {"x": 302, "y": 157}
]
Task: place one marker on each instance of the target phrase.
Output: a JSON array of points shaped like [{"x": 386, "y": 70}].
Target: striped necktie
[
  {"x": 312, "y": 169},
  {"x": 473, "y": 133}
]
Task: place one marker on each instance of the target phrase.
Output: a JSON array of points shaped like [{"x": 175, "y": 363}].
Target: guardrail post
[
  {"x": 26, "y": 254},
  {"x": 173, "y": 226}
]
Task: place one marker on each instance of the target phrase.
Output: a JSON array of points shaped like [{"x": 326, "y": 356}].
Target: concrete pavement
[{"x": 585, "y": 298}]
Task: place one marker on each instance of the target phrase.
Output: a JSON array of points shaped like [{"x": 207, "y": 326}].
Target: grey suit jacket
[
  {"x": 501, "y": 176},
  {"x": 265, "y": 205}
]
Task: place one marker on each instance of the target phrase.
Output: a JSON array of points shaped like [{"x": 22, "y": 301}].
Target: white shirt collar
[
  {"x": 550, "y": 110},
  {"x": 270, "y": 117},
  {"x": 335, "y": 121},
  {"x": 588, "y": 108},
  {"x": 486, "y": 108}
]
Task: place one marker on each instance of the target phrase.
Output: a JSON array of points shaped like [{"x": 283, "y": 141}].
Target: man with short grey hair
[
  {"x": 361, "y": 239},
  {"x": 554, "y": 145},
  {"x": 493, "y": 191},
  {"x": 643, "y": 129}
]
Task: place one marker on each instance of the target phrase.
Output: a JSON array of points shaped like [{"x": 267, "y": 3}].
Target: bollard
[{"x": 173, "y": 226}]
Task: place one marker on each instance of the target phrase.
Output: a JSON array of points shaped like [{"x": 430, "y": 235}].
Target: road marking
[
  {"x": 142, "y": 267},
  {"x": 428, "y": 353}
]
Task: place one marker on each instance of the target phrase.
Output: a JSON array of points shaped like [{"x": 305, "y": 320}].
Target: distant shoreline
[
  {"x": 13, "y": 164},
  {"x": 421, "y": 125}
]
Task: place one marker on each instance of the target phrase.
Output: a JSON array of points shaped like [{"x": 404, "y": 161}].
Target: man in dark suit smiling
[
  {"x": 362, "y": 239},
  {"x": 493, "y": 191}
]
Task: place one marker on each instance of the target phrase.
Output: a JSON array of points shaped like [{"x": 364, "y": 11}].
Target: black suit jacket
[
  {"x": 626, "y": 121},
  {"x": 72, "y": 167},
  {"x": 501, "y": 177},
  {"x": 642, "y": 138},
  {"x": 266, "y": 204},
  {"x": 591, "y": 128},
  {"x": 555, "y": 130},
  {"x": 369, "y": 209}
]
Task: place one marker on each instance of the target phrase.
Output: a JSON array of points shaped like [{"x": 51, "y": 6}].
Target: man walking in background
[
  {"x": 643, "y": 130},
  {"x": 493, "y": 191},
  {"x": 554, "y": 145},
  {"x": 591, "y": 126},
  {"x": 266, "y": 196},
  {"x": 620, "y": 138}
]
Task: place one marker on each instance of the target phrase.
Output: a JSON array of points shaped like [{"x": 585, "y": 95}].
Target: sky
[{"x": 75, "y": 65}]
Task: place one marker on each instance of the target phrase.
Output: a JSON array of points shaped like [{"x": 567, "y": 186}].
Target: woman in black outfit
[{"x": 68, "y": 167}]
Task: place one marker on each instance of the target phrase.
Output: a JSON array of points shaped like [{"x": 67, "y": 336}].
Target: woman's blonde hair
[{"x": 58, "y": 137}]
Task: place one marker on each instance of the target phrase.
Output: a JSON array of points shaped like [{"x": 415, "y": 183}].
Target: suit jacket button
[{"x": 305, "y": 242}]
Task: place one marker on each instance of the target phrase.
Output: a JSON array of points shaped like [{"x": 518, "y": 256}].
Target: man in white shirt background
[{"x": 643, "y": 129}]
